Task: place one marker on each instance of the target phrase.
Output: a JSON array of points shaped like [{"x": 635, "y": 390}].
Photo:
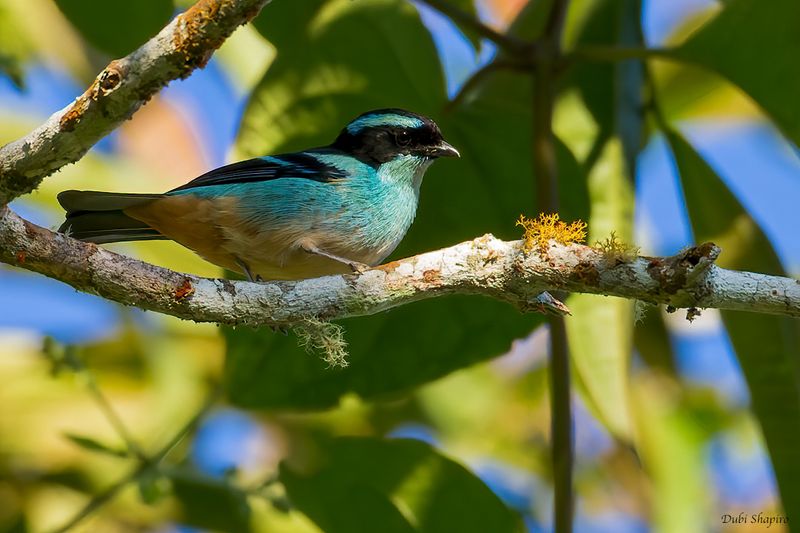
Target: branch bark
[
  {"x": 119, "y": 90},
  {"x": 485, "y": 266}
]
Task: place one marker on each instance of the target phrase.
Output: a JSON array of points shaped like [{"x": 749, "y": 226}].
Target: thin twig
[
  {"x": 561, "y": 439},
  {"x": 555, "y": 22},
  {"x": 507, "y": 43},
  {"x": 111, "y": 415},
  {"x": 98, "y": 501},
  {"x": 108, "y": 494},
  {"x": 482, "y": 75},
  {"x": 545, "y": 167},
  {"x": 211, "y": 400}
]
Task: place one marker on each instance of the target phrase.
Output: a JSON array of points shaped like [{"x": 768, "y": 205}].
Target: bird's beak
[{"x": 444, "y": 149}]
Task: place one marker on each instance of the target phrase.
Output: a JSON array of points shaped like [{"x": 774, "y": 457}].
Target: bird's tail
[{"x": 99, "y": 217}]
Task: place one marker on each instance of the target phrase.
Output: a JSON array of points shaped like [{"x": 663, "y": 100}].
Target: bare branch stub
[{"x": 672, "y": 273}]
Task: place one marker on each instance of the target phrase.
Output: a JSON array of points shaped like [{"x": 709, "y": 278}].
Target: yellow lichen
[
  {"x": 616, "y": 251},
  {"x": 540, "y": 231}
]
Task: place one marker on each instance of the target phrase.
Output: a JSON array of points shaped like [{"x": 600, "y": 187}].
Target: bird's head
[{"x": 379, "y": 136}]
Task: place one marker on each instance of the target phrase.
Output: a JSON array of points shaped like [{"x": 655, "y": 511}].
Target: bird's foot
[
  {"x": 358, "y": 268},
  {"x": 546, "y": 304}
]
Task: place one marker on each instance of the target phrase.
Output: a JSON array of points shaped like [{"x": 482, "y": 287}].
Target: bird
[{"x": 335, "y": 209}]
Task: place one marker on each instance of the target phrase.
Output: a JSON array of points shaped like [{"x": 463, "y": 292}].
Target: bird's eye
[{"x": 402, "y": 138}]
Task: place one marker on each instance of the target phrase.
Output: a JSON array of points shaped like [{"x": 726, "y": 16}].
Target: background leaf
[
  {"x": 268, "y": 370},
  {"x": 303, "y": 101},
  {"x": 211, "y": 503},
  {"x": 14, "y": 47},
  {"x": 767, "y": 346},
  {"x": 93, "y": 445},
  {"x": 600, "y": 332},
  {"x": 117, "y": 28},
  {"x": 403, "y": 485},
  {"x": 755, "y": 45},
  {"x": 670, "y": 443}
]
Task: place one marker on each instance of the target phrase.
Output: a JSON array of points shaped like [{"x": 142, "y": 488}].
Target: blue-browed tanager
[{"x": 327, "y": 210}]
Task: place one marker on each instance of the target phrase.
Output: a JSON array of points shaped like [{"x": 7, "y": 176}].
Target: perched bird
[{"x": 327, "y": 210}]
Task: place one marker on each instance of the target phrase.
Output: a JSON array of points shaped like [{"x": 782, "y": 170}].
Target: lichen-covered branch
[
  {"x": 486, "y": 266},
  {"x": 118, "y": 91}
]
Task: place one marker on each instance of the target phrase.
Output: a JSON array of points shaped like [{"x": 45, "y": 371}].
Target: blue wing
[{"x": 303, "y": 165}]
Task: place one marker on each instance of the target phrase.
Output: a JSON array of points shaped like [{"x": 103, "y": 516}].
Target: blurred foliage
[
  {"x": 307, "y": 67},
  {"x": 735, "y": 43},
  {"x": 767, "y": 346},
  {"x": 14, "y": 47},
  {"x": 320, "y": 81},
  {"x": 416, "y": 489},
  {"x": 117, "y": 28}
]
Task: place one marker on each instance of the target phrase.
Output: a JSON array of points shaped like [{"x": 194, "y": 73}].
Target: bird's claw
[{"x": 546, "y": 304}]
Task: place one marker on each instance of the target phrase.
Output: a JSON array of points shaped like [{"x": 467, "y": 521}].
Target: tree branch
[
  {"x": 506, "y": 42},
  {"x": 485, "y": 266},
  {"x": 482, "y": 75},
  {"x": 118, "y": 91}
]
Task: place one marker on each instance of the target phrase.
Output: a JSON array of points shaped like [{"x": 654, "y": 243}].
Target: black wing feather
[{"x": 301, "y": 165}]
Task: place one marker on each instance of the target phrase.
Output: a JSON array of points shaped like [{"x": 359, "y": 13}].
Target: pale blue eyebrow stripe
[{"x": 401, "y": 121}]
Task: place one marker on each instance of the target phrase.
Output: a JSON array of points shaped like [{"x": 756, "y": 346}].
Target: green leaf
[
  {"x": 651, "y": 339},
  {"x": 531, "y": 20},
  {"x": 600, "y": 332},
  {"x": 92, "y": 445},
  {"x": 767, "y": 346},
  {"x": 15, "y": 47},
  {"x": 468, "y": 7},
  {"x": 670, "y": 444},
  {"x": 755, "y": 45},
  {"x": 153, "y": 486},
  {"x": 318, "y": 82},
  {"x": 283, "y": 22},
  {"x": 117, "y": 28},
  {"x": 210, "y": 503},
  {"x": 389, "y": 354},
  {"x": 323, "y": 77},
  {"x": 393, "y": 486},
  {"x": 10, "y": 66}
]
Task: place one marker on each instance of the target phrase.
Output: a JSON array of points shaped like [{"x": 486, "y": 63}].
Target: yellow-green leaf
[
  {"x": 363, "y": 485},
  {"x": 767, "y": 346},
  {"x": 755, "y": 45}
]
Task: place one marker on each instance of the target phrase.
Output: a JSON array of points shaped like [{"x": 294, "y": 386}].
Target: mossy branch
[{"x": 486, "y": 266}]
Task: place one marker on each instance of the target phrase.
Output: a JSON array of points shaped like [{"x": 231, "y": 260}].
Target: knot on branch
[
  {"x": 682, "y": 271},
  {"x": 184, "y": 290},
  {"x": 104, "y": 84},
  {"x": 108, "y": 80}
]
